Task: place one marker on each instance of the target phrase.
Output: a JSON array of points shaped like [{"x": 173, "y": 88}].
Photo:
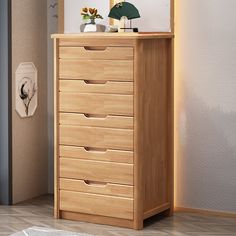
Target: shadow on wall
[{"x": 205, "y": 154}]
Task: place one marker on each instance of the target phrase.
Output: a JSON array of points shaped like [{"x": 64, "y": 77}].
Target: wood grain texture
[
  {"x": 138, "y": 159},
  {"x": 118, "y": 139},
  {"x": 66, "y": 39},
  {"x": 170, "y": 126},
  {"x": 96, "y": 219},
  {"x": 106, "y": 172},
  {"x": 97, "y": 188},
  {"x": 103, "y": 104},
  {"x": 155, "y": 112},
  {"x": 108, "y": 70},
  {"x": 97, "y": 154},
  {"x": 120, "y": 122},
  {"x": 96, "y": 204},
  {"x": 156, "y": 210},
  {"x": 101, "y": 129},
  {"x": 61, "y": 16},
  {"x": 97, "y": 53},
  {"x": 93, "y": 86},
  {"x": 93, "y": 41},
  {"x": 153, "y": 93},
  {"x": 160, "y": 85},
  {"x": 56, "y": 130}
]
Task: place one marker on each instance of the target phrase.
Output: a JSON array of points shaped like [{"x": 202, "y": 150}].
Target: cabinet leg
[
  {"x": 138, "y": 225},
  {"x": 169, "y": 212}
]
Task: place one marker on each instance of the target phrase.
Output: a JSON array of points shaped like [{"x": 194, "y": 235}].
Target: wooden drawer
[
  {"x": 108, "y": 172},
  {"x": 118, "y": 139},
  {"x": 96, "y": 154},
  {"x": 97, "y": 53},
  {"x": 96, "y": 70},
  {"x": 104, "y": 104},
  {"x": 120, "y": 122},
  {"x": 94, "y": 204},
  {"x": 97, "y": 187},
  {"x": 92, "y": 86}
]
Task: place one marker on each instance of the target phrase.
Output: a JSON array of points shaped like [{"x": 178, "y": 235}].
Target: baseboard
[{"x": 206, "y": 212}]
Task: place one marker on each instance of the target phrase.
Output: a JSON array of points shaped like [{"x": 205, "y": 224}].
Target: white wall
[
  {"x": 73, "y": 18},
  {"x": 155, "y": 15},
  {"x": 206, "y": 104}
]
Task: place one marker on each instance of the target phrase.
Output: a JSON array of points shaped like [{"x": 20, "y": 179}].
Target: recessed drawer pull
[
  {"x": 89, "y": 149},
  {"x": 92, "y": 116},
  {"x": 95, "y": 183},
  {"x": 90, "y": 48},
  {"x": 98, "y": 82}
]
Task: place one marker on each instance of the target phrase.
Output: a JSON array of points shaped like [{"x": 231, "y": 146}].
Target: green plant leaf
[{"x": 86, "y": 17}]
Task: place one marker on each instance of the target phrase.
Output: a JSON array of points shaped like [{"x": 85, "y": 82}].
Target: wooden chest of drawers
[{"x": 113, "y": 127}]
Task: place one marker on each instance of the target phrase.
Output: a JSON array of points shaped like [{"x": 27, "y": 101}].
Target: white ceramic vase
[{"x": 91, "y": 27}]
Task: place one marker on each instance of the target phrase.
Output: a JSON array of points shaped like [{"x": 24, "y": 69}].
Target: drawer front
[
  {"x": 92, "y": 86},
  {"x": 118, "y": 139},
  {"x": 89, "y": 40},
  {"x": 96, "y": 154},
  {"x": 120, "y": 122},
  {"x": 105, "y": 104},
  {"x": 97, "y": 70},
  {"x": 97, "y": 188},
  {"x": 97, "y": 204},
  {"x": 106, "y": 172},
  {"x": 97, "y": 53}
]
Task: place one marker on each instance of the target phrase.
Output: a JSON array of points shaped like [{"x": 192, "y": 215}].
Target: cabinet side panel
[
  {"x": 170, "y": 126},
  {"x": 152, "y": 123}
]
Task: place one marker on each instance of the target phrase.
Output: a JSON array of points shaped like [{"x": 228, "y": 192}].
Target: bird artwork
[{"x": 53, "y": 5}]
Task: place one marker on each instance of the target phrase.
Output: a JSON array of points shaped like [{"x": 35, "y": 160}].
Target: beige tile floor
[{"x": 39, "y": 212}]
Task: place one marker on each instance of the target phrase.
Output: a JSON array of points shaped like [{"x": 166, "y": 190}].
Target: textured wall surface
[
  {"x": 206, "y": 104},
  {"x": 30, "y": 137}
]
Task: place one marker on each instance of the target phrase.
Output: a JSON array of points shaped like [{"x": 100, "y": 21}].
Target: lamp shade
[{"x": 124, "y": 9}]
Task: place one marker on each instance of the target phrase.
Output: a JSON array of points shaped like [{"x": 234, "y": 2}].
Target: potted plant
[{"x": 89, "y": 16}]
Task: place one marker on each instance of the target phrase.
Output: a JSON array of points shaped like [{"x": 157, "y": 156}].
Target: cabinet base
[
  {"x": 67, "y": 215},
  {"x": 97, "y": 219}
]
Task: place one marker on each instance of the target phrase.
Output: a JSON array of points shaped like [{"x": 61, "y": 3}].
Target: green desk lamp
[{"x": 125, "y": 9}]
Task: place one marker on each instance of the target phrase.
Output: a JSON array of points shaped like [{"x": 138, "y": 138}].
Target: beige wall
[
  {"x": 30, "y": 157},
  {"x": 205, "y": 80},
  {"x": 52, "y": 26}
]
